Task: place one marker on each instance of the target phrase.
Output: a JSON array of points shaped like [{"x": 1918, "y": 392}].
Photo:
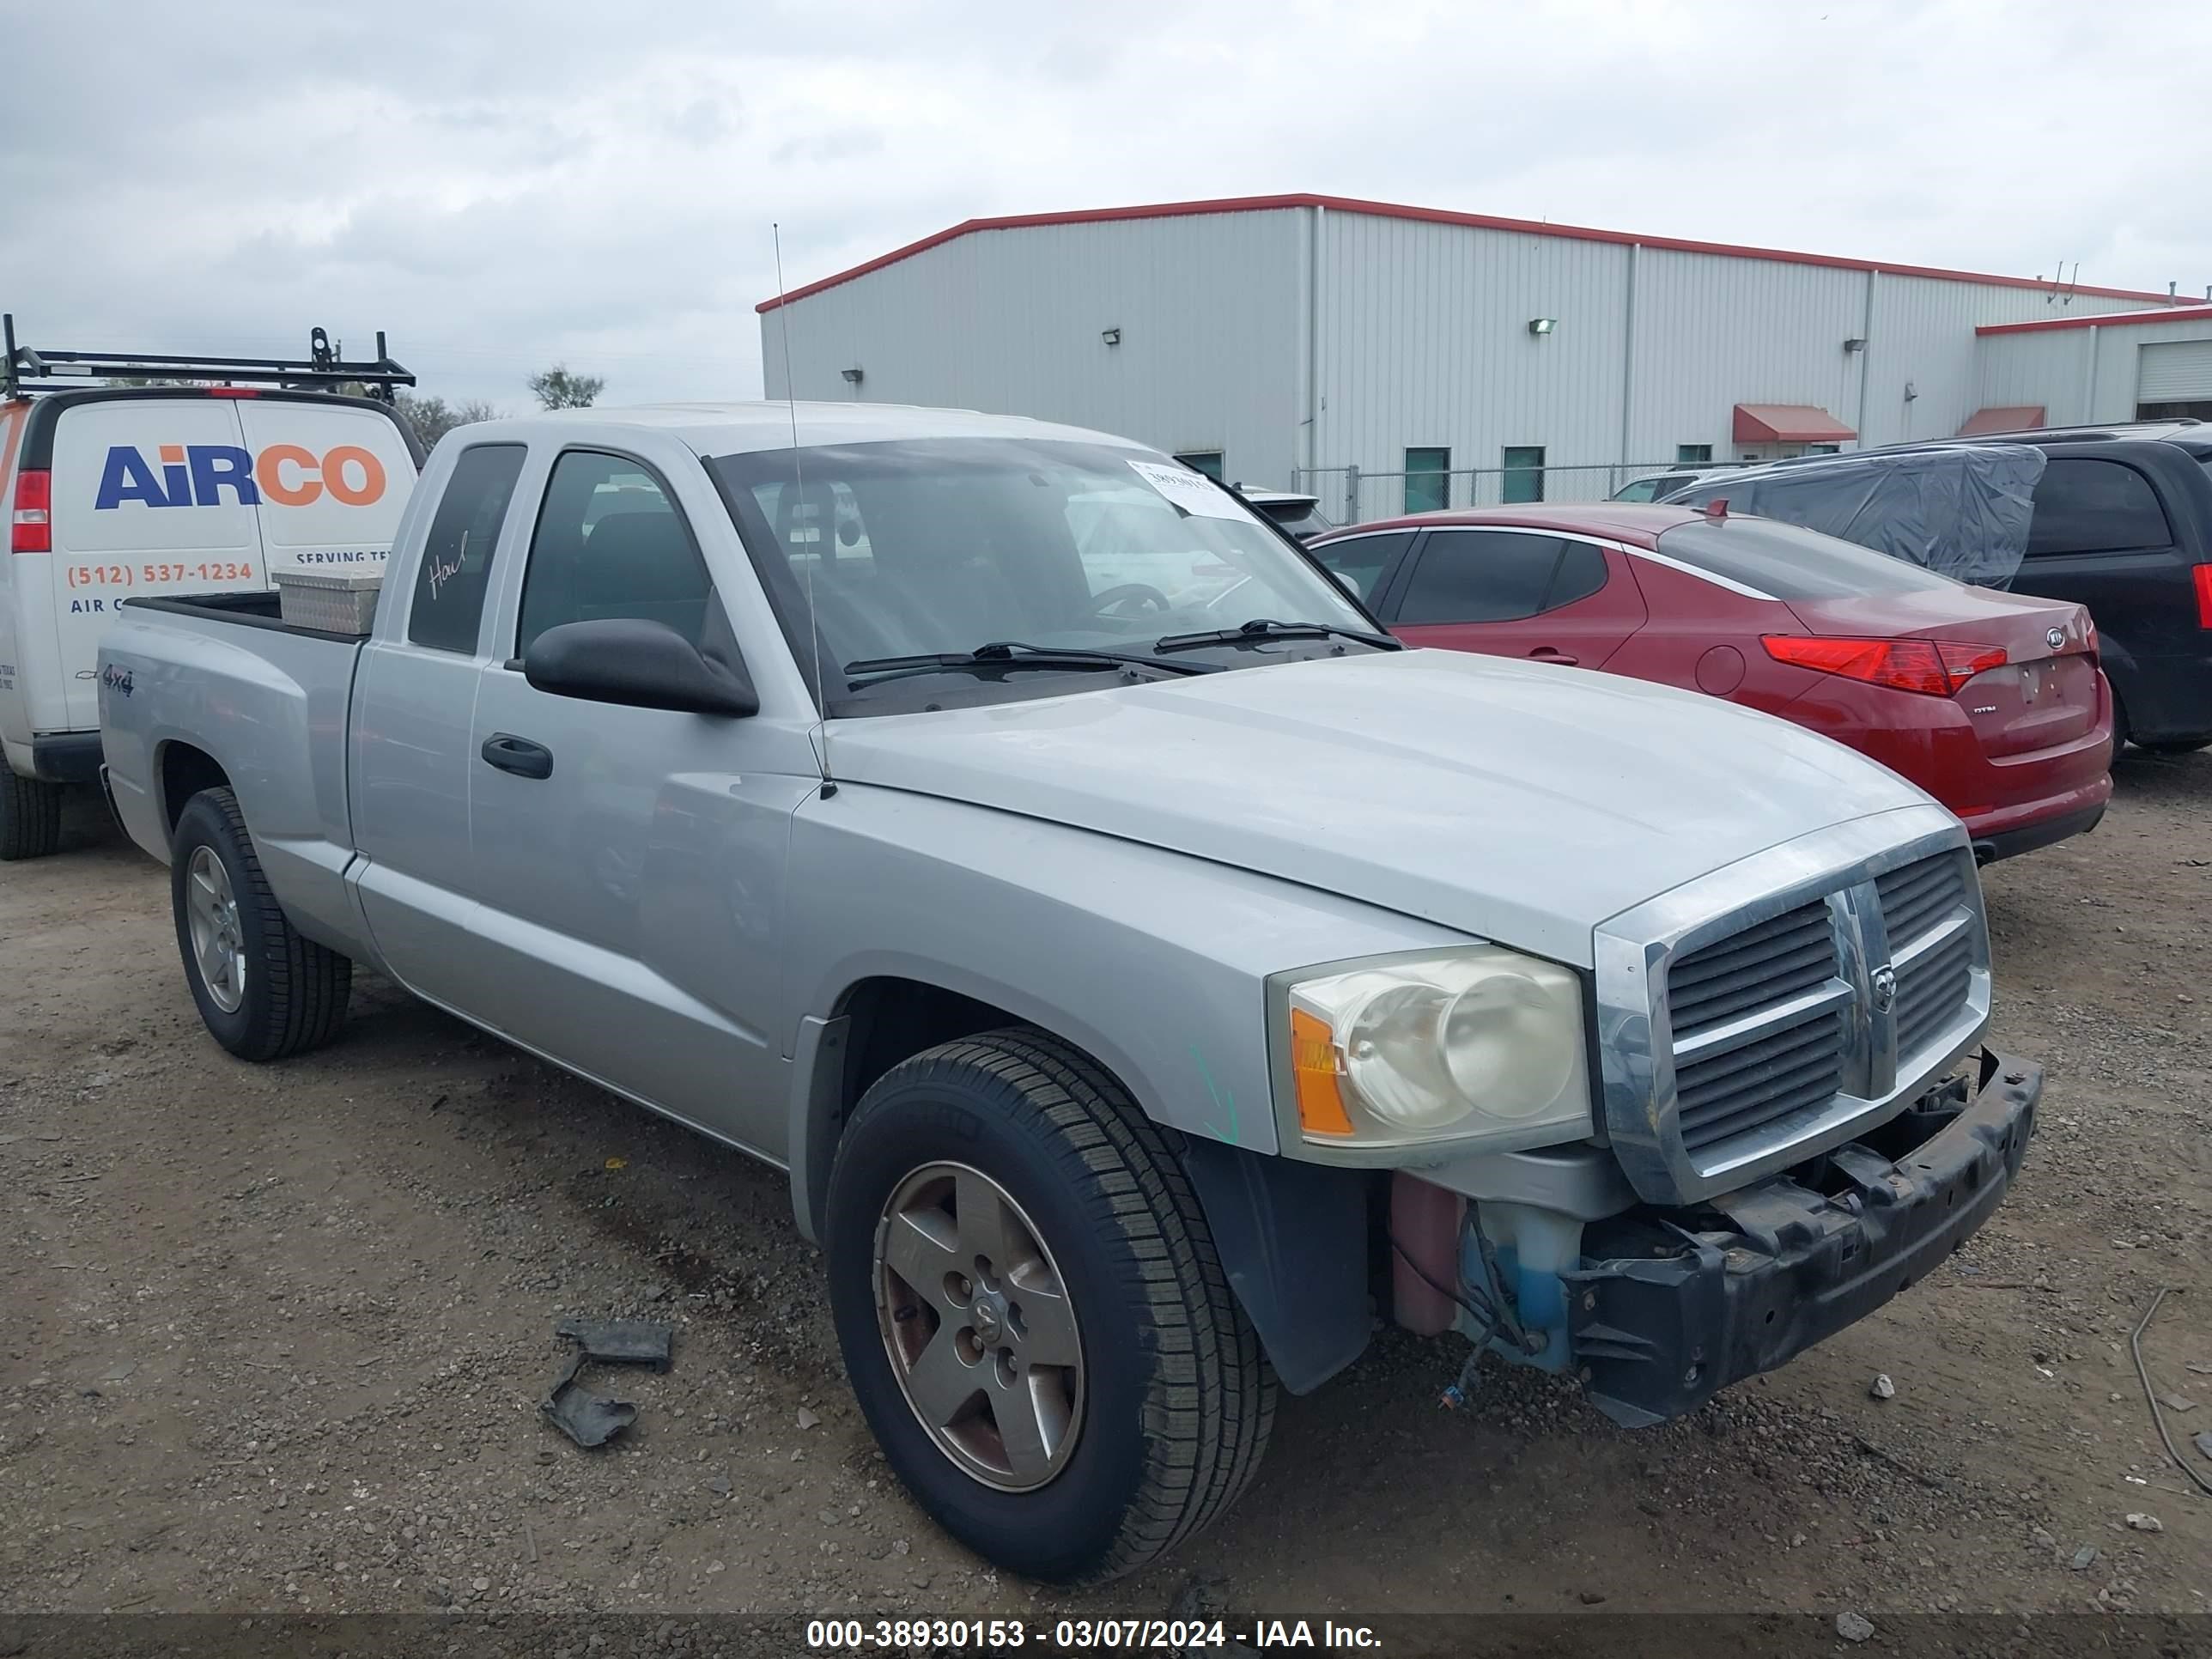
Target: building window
[
  {"x": 1824, "y": 449},
  {"x": 1428, "y": 480},
  {"x": 1207, "y": 461},
  {"x": 1693, "y": 454},
  {"x": 1524, "y": 474}
]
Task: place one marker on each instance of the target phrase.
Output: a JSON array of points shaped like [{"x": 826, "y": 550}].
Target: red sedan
[{"x": 1992, "y": 703}]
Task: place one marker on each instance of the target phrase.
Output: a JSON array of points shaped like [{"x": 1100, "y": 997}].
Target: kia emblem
[
  {"x": 2054, "y": 637},
  {"x": 1884, "y": 988}
]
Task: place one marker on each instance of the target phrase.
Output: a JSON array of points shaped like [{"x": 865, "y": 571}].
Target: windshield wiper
[
  {"x": 1014, "y": 651},
  {"x": 1265, "y": 627}
]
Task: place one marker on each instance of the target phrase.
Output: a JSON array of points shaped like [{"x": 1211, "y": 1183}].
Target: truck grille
[
  {"x": 1770, "y": 1034},
  {"x": 1758, "y": 986},
  {"x": 1774, "y": 1008},
  {"x": 1799, "y": 1068},
  {"x": 1922, "y": 906},
  {"x": 1916, "y": 897},
  {"x": 1764, "y": 964}
]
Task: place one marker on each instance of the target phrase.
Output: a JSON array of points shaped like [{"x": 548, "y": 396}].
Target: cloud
[{"x": 502, "y": 184}]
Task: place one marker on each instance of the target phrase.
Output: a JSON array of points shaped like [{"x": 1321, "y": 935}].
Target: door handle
[
  {"x": 1552, "y": 653},
  {"x": 519, "y": 756}
]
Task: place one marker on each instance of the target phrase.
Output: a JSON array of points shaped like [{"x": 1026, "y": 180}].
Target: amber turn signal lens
[{"x": 1313, "y": 1071}]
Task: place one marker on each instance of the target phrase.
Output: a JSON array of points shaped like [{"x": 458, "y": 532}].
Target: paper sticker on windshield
[{"x": 1191, "y": 491}]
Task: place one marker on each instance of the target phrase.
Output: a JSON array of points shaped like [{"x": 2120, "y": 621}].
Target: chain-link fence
[{"x": 1350, "y": 494}]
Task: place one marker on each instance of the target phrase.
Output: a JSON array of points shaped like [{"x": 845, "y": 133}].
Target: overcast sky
[{"x": 502, "y": 183}]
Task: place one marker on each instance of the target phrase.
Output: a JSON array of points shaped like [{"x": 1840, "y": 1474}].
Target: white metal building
[
  {"x": 1443, "y": 354},
  {"x": 2075, "y": 370}
]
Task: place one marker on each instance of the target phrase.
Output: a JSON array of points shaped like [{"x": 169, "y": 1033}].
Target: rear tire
[
  {"x": 1173, "y": 1398},
  {"x": 263, "y": 989},
  {"x": 30, "y": 816},
  {"x": 2188, "y": 748}
]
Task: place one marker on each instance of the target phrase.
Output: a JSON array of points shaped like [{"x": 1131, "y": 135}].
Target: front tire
[
  {"x": 263, "y": 989},
  {"x": 30, "y": 816},
  {"x": 1032, "y": 1312}
]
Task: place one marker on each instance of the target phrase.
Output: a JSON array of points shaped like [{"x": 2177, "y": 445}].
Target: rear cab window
[
  {"x": 1782, "y": 561},
  {"x": 455, "y": 571}
]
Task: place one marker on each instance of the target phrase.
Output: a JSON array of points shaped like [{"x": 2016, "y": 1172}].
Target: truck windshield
[{"x": 939, "y": 546}]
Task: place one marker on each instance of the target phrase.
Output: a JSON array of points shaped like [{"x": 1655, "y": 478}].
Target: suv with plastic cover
[{"x": 1140, "y": 964}]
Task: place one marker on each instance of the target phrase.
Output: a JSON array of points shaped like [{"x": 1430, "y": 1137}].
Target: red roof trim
[
  {"x": 2103, "y": 319},
  {"x": 1423, "y": 215}
]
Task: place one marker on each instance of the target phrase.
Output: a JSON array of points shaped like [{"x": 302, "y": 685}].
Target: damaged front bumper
[{"x": 1669, "y": 1306}]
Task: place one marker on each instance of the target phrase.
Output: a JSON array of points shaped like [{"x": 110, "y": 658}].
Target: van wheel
[
  {"x": 1032, "y": 1313},
  {"x": 264, "y": 991},
  {"x": 30, "y": 816}
]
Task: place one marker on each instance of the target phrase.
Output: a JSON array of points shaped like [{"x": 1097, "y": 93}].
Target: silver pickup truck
[{"x": 1143, "y": 967}]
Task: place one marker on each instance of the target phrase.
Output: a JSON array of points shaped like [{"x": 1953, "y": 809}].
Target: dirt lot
[{"x": 274, "y": 1337}]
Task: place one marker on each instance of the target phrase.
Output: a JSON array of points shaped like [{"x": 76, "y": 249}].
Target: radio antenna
[{"x": 798, "y": 504}]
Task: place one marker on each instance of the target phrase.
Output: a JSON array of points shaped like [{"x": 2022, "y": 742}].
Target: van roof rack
[{"x": 28, "y": 369}]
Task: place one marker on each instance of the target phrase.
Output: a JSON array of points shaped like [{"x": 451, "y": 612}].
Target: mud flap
[{"x": 1293, "y": 1237}]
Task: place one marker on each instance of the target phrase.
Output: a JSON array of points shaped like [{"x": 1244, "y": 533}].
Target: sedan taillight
[
  {"x": 2205, "y": 596},
  {"x": 1935, "y": 668}
]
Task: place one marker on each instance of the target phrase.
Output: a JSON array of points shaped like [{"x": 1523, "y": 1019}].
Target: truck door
[
  {"x": 630, "y": 862},
  {"x": 414, "y": 696}
]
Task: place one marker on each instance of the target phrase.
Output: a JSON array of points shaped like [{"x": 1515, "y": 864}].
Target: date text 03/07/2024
[{"x": 1081, "y": 1635}]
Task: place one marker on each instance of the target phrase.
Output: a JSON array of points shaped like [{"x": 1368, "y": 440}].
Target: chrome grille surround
[{"x": 1763, "y": 912}]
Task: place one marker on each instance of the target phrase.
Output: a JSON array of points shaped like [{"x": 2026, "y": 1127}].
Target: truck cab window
[
  {"x": 456, "y": 567},
  {"x": 609, "y": 543}
]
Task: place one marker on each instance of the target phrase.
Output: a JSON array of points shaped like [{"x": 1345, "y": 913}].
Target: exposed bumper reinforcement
[{"x": 1670, "y": 1306}]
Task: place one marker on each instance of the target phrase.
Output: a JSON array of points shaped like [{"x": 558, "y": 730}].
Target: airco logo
[{"x": 197, "y": 475}]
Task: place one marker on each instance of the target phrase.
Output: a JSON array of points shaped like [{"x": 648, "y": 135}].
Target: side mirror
[{"x": 639, "y": 664}]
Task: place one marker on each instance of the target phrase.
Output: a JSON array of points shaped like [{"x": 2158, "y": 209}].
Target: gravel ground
[{"x": 276, "y": 1336}]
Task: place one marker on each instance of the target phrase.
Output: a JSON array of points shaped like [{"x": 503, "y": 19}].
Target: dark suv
[{"x": 2124, "y": 526}]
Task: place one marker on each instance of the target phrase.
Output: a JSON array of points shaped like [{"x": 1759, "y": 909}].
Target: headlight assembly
[{"x": 1480, "y": 1046}]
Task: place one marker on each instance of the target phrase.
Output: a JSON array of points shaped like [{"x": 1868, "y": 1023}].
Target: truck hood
[{"x": 1523, "y": 802}]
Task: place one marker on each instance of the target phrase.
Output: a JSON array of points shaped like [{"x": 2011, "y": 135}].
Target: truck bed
[
  {"x": 219, "y": 683},
  {"x": 255, "y": 610}
]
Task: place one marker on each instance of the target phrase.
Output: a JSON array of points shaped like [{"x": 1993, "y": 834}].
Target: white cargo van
[{"x": 119, "y": 492}]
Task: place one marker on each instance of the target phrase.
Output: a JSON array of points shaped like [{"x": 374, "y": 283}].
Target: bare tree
[
  {"x": 558, "y": 388},
  {"x": 432, "y": 418}
]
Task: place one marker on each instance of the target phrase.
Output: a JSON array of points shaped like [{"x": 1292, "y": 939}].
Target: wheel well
[
  {"x": 891, "y": 1019},
  {"x": 879, "y": 1022},
  {"x": 185, "y": 772}
]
